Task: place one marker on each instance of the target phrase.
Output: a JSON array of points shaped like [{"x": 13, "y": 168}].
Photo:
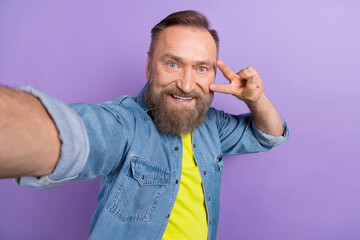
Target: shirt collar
[{"x": 140, "y": 98}]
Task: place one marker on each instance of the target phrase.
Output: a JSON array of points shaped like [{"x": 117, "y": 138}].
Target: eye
[
  {"x": 202, "y": 69},
  {"x": 172, "y": 65}
]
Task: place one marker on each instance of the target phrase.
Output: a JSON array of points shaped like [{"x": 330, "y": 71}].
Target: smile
[{"x": 181, "y": 98}]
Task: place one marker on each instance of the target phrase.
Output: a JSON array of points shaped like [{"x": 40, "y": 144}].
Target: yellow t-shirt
[{"x": 188, "y": 218}]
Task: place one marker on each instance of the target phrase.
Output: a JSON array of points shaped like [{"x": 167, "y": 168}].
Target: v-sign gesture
[{"x": 246, "y": 85}]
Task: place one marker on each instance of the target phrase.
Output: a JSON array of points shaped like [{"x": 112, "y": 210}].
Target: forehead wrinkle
[{"x": 172, "y": 37}]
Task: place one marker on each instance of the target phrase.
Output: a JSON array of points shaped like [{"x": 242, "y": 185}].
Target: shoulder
[{"x": 127, "y": 105}]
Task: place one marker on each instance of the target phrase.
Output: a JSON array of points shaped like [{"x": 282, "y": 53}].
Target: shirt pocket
[{"x": 138, "y": 193}]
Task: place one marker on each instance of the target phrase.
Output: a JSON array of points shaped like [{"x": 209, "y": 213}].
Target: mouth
[{"x": 181, "y": 99}]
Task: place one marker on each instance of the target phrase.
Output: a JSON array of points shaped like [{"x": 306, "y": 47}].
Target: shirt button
[
  {"x": 209, "y": 199},
  {"x": 204, "y": 172},
  {"x": 168, "y": 215},
  {"x": 176, "y": 181},
  {"x": 210, "y": 222},
  {"x": 194, "y": 145},
  {"x": 176, "y": 148}
]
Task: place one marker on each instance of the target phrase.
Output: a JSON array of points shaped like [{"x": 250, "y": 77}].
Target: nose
[{"x": 186, "y": 82}]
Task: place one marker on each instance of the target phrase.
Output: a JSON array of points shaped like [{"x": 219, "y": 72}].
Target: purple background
[{"x": 307, "y": 53}]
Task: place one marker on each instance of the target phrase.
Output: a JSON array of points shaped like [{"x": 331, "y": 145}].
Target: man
[{"x": 159, "y": 154}]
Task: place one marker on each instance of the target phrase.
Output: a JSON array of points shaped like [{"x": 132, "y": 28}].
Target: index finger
[{"x": 226, "y": 71}]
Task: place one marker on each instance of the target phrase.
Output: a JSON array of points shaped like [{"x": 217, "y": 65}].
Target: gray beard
[{"x": 180, "y": 120}]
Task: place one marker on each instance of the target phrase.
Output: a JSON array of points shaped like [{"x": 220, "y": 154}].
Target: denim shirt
[{"x": 140, "y": 167}]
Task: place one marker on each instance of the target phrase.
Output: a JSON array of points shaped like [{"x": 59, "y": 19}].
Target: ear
[{"x": 148, "y": 66}]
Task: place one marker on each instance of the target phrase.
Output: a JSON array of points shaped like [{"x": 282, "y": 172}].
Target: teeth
[{"x": 182, "y": 98}]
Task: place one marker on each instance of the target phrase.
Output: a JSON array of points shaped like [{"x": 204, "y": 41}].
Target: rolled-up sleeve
[
  {"x": 270, "y": 140},
  {"x": 239, "y": 135},
  {"x": 74, "y": 143}
]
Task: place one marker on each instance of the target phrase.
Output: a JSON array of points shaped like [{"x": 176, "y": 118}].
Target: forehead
[{"x": 187, "y": 42}]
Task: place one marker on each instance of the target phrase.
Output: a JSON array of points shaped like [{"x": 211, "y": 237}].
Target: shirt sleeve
[
  {"x": 270, "y": 140},
  {"x": 74, "y": 143},
  {"x": 95, "y": 139},
  {"x": 239, "y": 135}
]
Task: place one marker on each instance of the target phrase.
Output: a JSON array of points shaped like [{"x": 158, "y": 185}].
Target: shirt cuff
[
  {"x": 270, "y": 140},
  {"x": 74, "y": 143}
]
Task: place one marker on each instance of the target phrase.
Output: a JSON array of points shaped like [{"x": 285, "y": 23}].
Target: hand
[{"x": 246, "y": 85}]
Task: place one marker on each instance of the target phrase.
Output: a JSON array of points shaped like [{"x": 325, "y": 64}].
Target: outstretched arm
[
  {"x": 29, "y": 140},
  {"x": 247, "y": 86}
]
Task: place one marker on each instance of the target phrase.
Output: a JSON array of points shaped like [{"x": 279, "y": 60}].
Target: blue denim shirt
[{"x": 140, "y": 167}]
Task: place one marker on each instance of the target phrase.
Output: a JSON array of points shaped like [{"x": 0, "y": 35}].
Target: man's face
[{"x": 180, "y": 72}]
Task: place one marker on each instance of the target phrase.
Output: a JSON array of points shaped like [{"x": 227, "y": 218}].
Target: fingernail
[
  {"x": 253, "y": 79},
  {"x": 259, "y": 85}
]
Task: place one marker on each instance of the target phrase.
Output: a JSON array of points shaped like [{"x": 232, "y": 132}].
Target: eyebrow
[{"x": 172, "y": 56}]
